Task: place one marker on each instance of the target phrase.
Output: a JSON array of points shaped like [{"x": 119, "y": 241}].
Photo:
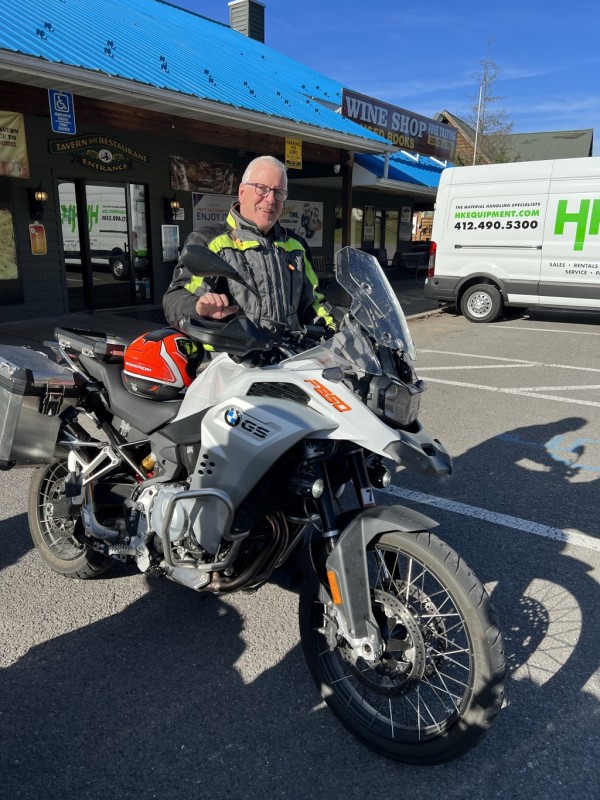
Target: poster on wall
[
  {"x": 405, "y": 226},
  {"x": 210, "y": 209},
  {"x": 190, "y": 175},
  {"x": 13, "y": 147},
  {"x": 37, "y": 238},
  {"x": 11, "y": 290},
  {"x": 170, "y": 242},
  {"x": 8, "y": 252},
  {"x": 369, "y": 232},
  {"x": 304, "y": 218}
]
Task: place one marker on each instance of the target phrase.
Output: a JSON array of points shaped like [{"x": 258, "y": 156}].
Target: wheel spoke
[
  {"x": 57, "y": 530},
  {"x": 445, "y": 675}
]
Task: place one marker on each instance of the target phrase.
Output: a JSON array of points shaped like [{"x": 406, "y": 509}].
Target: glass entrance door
[{"x": 104, "y": 235}]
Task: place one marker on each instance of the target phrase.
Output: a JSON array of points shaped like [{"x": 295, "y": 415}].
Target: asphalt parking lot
[{"x": 138, "y": 688}]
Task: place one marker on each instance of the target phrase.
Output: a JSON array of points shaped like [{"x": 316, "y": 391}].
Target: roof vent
[{"x": 248, "y": 17}]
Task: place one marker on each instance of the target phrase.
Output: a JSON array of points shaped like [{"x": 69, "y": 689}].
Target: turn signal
[{"x": 336, "y": 595}]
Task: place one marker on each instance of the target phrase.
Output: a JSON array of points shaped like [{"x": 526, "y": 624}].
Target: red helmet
[{"x": 160, "y": 364}]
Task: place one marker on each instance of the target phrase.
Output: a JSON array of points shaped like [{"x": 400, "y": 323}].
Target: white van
[
  {"x": 522, "y": 234},
  {"x": 109, "y": 228}
]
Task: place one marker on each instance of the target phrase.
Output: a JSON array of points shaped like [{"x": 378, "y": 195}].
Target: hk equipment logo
[{"x": 586, "y": 220}]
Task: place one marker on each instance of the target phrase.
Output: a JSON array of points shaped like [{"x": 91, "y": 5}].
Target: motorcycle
[{"x": 270, "y": 464}]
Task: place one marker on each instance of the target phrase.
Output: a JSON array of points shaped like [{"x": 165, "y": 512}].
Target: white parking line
[
  {"x": 523, "y": 525},
  {"x": 577, "y": 388},
  {"x": 518, "y": 392},
  {"x": 510, "y": 363},
  {"x": 541, "y": 330},
  {"x": 476, "y": 355},
  {"x": 514, "y": 361},
  {"x": 478, "y": 366}
]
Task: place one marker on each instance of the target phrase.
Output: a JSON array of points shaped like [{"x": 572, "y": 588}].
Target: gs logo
[
  {"x": 234, "y": 417},
  {"x": 258, "y": 430}
]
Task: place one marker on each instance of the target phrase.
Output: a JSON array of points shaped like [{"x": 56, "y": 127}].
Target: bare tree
[{"x": 491, "y": 123}]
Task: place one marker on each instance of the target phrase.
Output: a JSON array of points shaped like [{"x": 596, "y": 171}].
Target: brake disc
[{"x": 404, "y": 658}]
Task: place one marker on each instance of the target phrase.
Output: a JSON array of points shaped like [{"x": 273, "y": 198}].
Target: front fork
[
  {"x": 345, "y": 595},
  {"x": 326, "y": 503}
]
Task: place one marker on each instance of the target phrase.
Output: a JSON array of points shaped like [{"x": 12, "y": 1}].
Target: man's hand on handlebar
[{"x": 214, "y": 306}]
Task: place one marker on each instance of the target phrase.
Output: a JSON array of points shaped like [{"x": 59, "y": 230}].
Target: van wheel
[
  {"x": 119, "y": 266},
  {"x": 481, "y": 303}
]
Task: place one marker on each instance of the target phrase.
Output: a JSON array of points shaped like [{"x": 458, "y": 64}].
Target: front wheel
[
  {"x": 53, "y": 528},
  {"x": 440, "y": 682},
  {"x": 481, "y": 303}
]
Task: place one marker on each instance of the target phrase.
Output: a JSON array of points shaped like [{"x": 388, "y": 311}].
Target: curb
[{"x": 424, "y": 314}]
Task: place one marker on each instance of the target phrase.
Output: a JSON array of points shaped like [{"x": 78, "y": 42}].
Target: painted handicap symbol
[{"x": 580, "y": 453}]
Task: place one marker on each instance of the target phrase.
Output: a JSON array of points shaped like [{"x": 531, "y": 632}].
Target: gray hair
[{"x": 271, "y": 160}]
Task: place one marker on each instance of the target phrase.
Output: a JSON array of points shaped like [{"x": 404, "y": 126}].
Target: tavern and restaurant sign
[
  {"x": 99, "y": 152},
  {"x": 403, "y": 128}
]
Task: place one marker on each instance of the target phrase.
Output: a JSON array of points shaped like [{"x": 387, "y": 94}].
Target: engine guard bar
[
  {"x": 192, "y": 494},
  {"x": 348, "y": 560}
]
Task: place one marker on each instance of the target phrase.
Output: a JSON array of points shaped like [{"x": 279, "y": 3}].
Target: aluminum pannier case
[{"x": 33, "y": 392}]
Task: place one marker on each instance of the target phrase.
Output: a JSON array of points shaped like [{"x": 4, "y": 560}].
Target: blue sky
[{"x": 413, "y": 56}]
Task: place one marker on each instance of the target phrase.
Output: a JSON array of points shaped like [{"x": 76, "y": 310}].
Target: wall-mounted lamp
[
  {"x": 337, "y": 168},
  {"x": 37, "y": 201},
  {"x": 172, "y": 206}
]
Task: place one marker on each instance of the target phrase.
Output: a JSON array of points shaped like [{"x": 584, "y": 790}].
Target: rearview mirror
[{"x": 203, "y": 263}]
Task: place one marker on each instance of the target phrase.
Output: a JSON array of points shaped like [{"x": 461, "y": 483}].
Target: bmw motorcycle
[{"x": 271, "y": 464}]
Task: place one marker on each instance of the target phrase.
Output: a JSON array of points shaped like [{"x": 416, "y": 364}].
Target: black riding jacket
[{"x": 277, "y": 265}]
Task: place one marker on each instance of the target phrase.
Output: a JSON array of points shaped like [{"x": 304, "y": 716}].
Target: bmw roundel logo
[{"x": 233, "y": 417}]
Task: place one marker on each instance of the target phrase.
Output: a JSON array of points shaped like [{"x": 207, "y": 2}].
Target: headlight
[{"x": 395, "y": 401}]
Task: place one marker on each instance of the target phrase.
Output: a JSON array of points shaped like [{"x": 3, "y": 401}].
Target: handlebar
[{"x": 240, "y": 337}]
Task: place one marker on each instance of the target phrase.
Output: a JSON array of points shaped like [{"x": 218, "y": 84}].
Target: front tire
[
  {"x": 53, "y": 529},
  {"x": 440, "y": 682},
  {"x": 481, "y": 303}
]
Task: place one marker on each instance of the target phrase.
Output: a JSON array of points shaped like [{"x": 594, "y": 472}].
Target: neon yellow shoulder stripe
[
  {"x": 289, "y": 245},
  {"x": 225, "y": 242}
]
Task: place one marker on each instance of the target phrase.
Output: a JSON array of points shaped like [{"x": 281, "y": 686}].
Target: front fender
[{"x": 348, "y": 560}]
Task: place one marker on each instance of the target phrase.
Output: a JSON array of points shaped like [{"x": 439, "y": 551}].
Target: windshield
[
  {"x": 374, "y": 310},
  {"x": 374, "y": 304}
]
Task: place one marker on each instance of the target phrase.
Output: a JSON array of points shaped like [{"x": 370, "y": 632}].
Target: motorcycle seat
[{"x": 144, "y": 414}]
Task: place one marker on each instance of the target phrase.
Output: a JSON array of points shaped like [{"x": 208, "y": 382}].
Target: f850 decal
[{"x": 328, "y": 395}]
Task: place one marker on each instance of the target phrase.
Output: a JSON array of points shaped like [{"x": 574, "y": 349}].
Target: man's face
[{"x": 262, "y": 211}]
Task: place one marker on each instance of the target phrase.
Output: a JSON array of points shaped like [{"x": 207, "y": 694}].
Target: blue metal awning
[
  {"x": 417, "y": 172},
  {"x": 155, "y": 55}
]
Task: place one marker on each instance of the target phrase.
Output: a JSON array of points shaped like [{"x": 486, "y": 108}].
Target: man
[{"x": 271, "y": 259}]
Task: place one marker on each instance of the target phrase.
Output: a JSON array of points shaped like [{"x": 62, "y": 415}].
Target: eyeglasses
[{"x": 263, "y": 191}]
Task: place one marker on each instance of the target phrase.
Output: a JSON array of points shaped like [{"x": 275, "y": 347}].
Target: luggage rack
[{"x": 102, "y": 346}]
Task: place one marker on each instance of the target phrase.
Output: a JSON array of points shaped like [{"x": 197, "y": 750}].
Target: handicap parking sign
[{"x": 62, "y": 112}]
